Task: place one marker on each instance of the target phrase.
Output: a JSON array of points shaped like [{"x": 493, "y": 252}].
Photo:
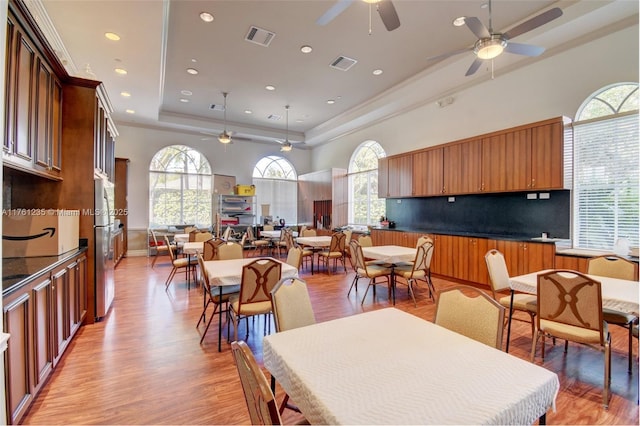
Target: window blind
[{"x": 606, "y": 184}]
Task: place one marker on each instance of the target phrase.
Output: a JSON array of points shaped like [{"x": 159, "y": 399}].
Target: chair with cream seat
[
  {"x": 202, "y": 236},
  {"x": 616, "y": 267},
  {"x": 210, "y": 248},
  {"x": 472, "y": 313},
  {"x": 230, "y": 250},
  {"x": 570, "y": 308},
  {"x": 213, "y": 295},
  {"x": 192, "y": 235},
  {"x": 499, "y": 282},
  {"x": 294, "y": 257},
  {"x": 423, "y": 239},
  {"x": 335, "y": 252},
  {"x": 256, "y": 243},
  {"x": 365, "y": 241},
  {"x": 160, "y": 248},
  {"x": 177, "y": 264},
  {"x": 261, "y": 403},
  {"x": 419, "y": 270},
  {"x": 258, "y": 279},
  {"x": 367, "y": 270},
  {"x": 308, "y": 232},
  {"x": 226, "y": 235}
]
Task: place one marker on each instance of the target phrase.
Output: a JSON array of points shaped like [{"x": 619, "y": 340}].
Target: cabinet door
[
  {"x": 477, "y": 266},
  {"x": 400, "y": 176},
  {"x": 60, "y": 312},
  {"x": 18, "y": 356},
  {"x": 383, "y": 177},
  {"x": 55, "y": 156},
  {"x": 43, "y": 332},
  {"x": 443, "y": 259},
  {"x": 72, "y": 298},
  {"x": 9, "y": 86},
  {"x": 462, "y": 167},
  {"x": 505, "y": 162},
  {"x": 82, "y": 283},
  {"x": 42, "y": 114},
  {"x": 23, "y": 98},
  {"x": 547, "y": 157},
  {"x": 427, "y": 173}
]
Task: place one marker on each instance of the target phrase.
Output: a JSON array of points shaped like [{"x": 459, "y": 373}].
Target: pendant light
[
  {"x": 286, "y": 145},
  {"x": 225, "y": 137}
]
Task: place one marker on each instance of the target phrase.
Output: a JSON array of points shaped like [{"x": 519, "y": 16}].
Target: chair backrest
[
  {"x": 204, "y": 278},
  {"x": 262, "y": 405},
  {"x": 192, "y": 235},
  {"x": 153, "y": 235},
  {"x": 477, "y": 316},
  {"x": 424, "y": 253},
  {"x": 202, "y": 236},
  {"x": 250, "y": 236},
  {"x": 294, "y": 257},
  {"x": 611, "y": 266},
  {"x": 243, "y": 240},
  {"x": 423, "y": 239},
  {"x": 302, "y": 229},
  {"x": 170, "y": 248},
  {"x": 571, "y": 298},
  {"x": 230, "y": 250},
  {"x": 258, "y": 279},
  {"x": 498, "y": 273},
  {"x": 227, "y": 233},
  {"x": 288, "y": 238},
  {"x": 210, "y": 248},
  {"x": 189, "y": 229},
  {"x": 309, "y": 233},
  {"x": 357, "y": 257},
  {"x": 347, "y": 236},
  {"x": 337, "y": 242},
  {"x": 365, "y": 241},
  {"x": 291, "y": 304}
]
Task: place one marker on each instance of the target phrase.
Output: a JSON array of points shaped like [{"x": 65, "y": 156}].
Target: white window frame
[
  {"x": 276, "y": 182},
  {"x": 370, "y": 174}
]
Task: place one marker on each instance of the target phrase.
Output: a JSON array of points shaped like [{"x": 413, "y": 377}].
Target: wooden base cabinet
[{"x": 41, "y": 317}]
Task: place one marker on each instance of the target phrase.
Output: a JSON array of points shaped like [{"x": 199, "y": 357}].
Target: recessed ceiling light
[
  {"x": 130, "y": 111},
  {"x": 377, "y": 72},
  {"x": 112, "y": 36},
  {"x": 299, "y": 120},
  {"x": 183, "y": 100},
  {"x": 331, "y": 102},
  {"x": 248, "y": 111},
  {"x": 459, "y": 21},
  {"x": 206, "y": 16},
  {"x": 270, "y": 87},
  {"x": 484, "y": 5},
  {"x": 121, "y": 71},
  {"x": 192, "y": 71},
  {"x": 186, "y": 92},
  {"x": 125, "y": 94},
  {"x": 306, "y": 49}
]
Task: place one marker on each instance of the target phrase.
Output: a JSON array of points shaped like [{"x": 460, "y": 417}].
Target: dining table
[
  {"x": 393, "y": 256},
  {"x": 390, "y": 367},
  {"x": 191, "y": 248},
  {"x": 229, "y": 273},
  {"x": 316, "y": 243}
]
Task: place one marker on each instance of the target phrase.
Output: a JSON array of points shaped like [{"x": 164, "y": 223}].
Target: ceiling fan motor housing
[{"x": 490, "y": 47}]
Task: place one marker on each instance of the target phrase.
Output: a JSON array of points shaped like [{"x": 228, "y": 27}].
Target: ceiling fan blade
[
  {"x": 477, "y": 27},
  {"x": 474, "y": 67},
  {"x": 524, "y": 49},
  {"x": 388, "y": 15},
  {"x": 333, "y": 12},
  {"x": 534, "y": 22},
  {"x": 446, "y": 55}
]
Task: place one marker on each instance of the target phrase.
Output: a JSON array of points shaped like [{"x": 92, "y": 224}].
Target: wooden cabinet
[
  {"x": 525, "y": 257},
  {"x": 117, "y": 242},
  {"x": 395, "y": 176},
  {"x": 33, "y": 101},
  {"x": 121, "y": 203},
  {"x": 428, "y": 173},
  {"x": 505, "y": 161},
  {"x": 462, "y": 165},
  {"x": 42, "y": 317},
  {"x": 547, "y": 156},
  {"x": 574, "y": 263},
  {"x": 104, "y": 139}
]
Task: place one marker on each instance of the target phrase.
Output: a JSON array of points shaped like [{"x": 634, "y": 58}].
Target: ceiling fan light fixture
[
  {"x": 286, "y": 147},
  {"x": 489, "y": 48},
  {"x": 224, "y": 137},
  {"x": 372, "y": 1}
]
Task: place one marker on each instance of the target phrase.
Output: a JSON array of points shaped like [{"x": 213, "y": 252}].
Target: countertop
[
  {"x": 480, "y": 235},
  {"x": 17, "y": 271}
]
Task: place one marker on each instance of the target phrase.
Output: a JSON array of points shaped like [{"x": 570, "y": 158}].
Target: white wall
[{"x": 549, "y": 88}]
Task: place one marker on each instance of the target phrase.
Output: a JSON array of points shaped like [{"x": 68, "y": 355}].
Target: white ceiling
[{"x": 161, "y": 39}]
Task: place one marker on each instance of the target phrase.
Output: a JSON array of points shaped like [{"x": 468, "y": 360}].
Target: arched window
[
  {"x": 276, "y": 184},
  {"x": 606, "y": 160},
  {"x": 179, "y": 188},
  {"x": 365, "y": 208}
]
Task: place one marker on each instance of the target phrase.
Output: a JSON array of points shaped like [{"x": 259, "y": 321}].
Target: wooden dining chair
[
  {"x": 617, "y": 267},
  {"x": 472, "y": 313},
  {"x": 210, "y": 248},
  {"x": 160, "y": 248},
  {"x": 570, "y": 308},
  {"x": 177, "y": 264},
  {"x": 499, "y": 282},
  {"x": 335, "y": 252},
  {"x": 368, "y": 270},
  {"x": 261, "y": 403},
  {"x": 258, "y": 279},
  {"x": 294, "y": 257},
  {"x": 255, "y": 243},
  {"x": 202, "y": 236},
  {"x": 419, "y": 270},
  {"x": 230, "y": 250}
]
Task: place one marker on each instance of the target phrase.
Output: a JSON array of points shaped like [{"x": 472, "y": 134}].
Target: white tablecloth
[
  {"x": 390, "y": 367},
  {"x": 193, "y": 247},
  {"x": 321, "y": 241},
  {"x": 390, "y": 254},
  {"x": 181, "y": 238},
  {"x": 229, "y": 272},
  {"x": 621, "y": 295},
  {"x": 274, "y": 234}
]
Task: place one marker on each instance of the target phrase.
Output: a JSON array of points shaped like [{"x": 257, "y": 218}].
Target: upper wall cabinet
[
  {"x": 33, "y": 100},
  {"x": 526, "y": 158}
]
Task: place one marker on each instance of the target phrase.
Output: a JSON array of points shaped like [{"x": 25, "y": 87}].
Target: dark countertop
[
  {"x": 477, "y": 235},
  {"x": 17, "y": 271}
]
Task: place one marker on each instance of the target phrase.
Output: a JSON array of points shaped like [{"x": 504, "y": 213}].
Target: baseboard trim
[{"x": 137, "y": 253}]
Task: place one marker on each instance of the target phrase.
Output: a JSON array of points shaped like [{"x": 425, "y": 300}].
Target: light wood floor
[{"x": 143, "y": 364}]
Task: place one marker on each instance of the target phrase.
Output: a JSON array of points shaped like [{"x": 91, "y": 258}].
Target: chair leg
[
  {"x": 354, "y": 283},
  {"x": 607, "y": 373},
  {"x": 169, "y": 278},
  {"x": 630, "y": 326},
  {"x": 410, "y": 284},
  {"x": 534, "y": 342},
  {"x": 153, "y": 262}
]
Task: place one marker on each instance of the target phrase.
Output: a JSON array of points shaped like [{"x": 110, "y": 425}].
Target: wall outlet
[
  {"x": 544, "y": 195},
  {"x": 532, "y": 196},
  {"x": 399, "y": 201},
  {"x": 452, "y": 199}
]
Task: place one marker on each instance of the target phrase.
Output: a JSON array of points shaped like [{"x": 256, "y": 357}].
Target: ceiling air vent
[
  {"x": 343, "y": 63},
  {"x": 274, "y": 117},
  {"x": 259, "y": 36},
  {"x": 216, "y": 107}
]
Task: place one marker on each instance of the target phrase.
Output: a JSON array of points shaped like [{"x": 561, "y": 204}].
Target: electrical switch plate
[
  {"x": 544, "y": 195},
  {"x": 532, "y": 196},
  {"x": 399, "y": 201},
  {"x": 452, "y": 199}
]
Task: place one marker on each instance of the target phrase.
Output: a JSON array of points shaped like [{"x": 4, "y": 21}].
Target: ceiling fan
[
  {"x": 286, "y": 145},
  {"x": 490, "y": 44},
  {"x": 385, "y": 8}
]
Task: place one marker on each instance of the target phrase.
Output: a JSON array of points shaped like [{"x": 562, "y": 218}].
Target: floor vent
[
  {"x": 259, "y": 36},
  {"x": 343, "y": 63}
]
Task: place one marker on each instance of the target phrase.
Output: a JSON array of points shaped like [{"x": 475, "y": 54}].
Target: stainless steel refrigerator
[{"x": 103, "y": 228}]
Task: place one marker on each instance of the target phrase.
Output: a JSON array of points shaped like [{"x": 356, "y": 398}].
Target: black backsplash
[{"x": 505, "y": 214}]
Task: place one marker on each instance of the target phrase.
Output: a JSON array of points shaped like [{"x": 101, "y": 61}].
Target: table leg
[
  {"x": 509, "y": 325},
  {"x": 220, "y": 322}
]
